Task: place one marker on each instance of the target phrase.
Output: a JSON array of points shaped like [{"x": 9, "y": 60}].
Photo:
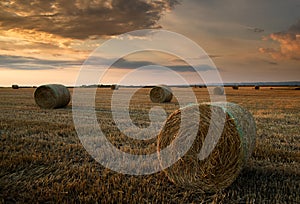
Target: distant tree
[
  {"x": 114, "y": 87},
  {"x": 15, "y": 86}
]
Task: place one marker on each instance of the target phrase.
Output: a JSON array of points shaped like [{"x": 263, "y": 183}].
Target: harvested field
[{"x": 43, "y": 160}]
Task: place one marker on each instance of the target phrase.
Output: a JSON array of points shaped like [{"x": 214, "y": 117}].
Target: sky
[{"x": 49, "y": 41}]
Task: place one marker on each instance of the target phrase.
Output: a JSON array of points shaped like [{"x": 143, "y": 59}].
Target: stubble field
[{"x": 43, "y": 160}]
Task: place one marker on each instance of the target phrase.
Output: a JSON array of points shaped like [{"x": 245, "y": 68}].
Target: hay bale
[
  {"x": 14, "y": 86},
  {"x": 235, "y": 87},
  {"x": 114, "y": 87},
  {"x": 221, "y": 167},
  {"x": 52, "y": 96},
  {"x": 256, "y": 87},
  {"x": 218, "y": 90},
  {"x": 161, "y": 94}
]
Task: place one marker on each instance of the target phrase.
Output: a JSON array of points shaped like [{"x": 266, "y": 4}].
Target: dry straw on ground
[
  {"x": 52, "y": 96},
  {"x": 218, "y": 90},
  {"x": 161, "y": 94},
  {"x": 224, "y": 163}
]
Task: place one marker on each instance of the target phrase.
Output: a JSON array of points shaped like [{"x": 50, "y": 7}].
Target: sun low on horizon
[{"x": 49, "y": 41}]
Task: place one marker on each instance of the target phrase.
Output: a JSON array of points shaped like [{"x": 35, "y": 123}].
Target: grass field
[{"x": 43, "y": 160}]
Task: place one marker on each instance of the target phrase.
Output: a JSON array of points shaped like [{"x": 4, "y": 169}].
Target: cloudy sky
[{"x": 47, "y": 41}]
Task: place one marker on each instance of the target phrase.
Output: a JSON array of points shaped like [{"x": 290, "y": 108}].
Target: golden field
[{"x": 43, "y": 160}]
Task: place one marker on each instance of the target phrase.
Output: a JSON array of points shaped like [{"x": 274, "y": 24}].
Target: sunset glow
[{"x": 48, "y": 41}]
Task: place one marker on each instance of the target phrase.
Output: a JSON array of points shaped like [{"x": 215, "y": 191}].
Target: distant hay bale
[
  {"x": 161, "y": 94},
  {"x": 52, "y": 96},
  {"x": 15, "y": 86},
  {"x": 221, "y": 167},
  {"x": 218, "y": 90},
  {"x": 114, "y": 87},
  {"x": 256, "y": 87},
  {"x": 235, "y": 87}
]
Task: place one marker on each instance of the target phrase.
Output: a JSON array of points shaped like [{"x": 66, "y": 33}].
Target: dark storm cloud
[
  {"x": 257, "y": 30},
  {"x": 295, "y": 28},
  {"x": 30, "y": 63},
  {"x": 270, "y": 62},
  {"x": 122, "y": 63},
  {"x": 215, "y": 56},
  {"x": 126, "y": 64},
  {"x": 81, "y": 19}
]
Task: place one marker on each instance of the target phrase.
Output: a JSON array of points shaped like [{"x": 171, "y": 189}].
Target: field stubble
[{"x": 43, "y": 160}]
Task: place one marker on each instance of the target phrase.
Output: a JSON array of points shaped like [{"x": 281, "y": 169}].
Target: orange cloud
[
  {"x": 289, "y": 44},
  {"x": 43, "y": 45}
]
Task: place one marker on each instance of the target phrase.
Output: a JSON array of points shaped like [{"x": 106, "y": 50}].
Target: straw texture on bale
[
  {"x": 218, "y": 90},
  {"x": 161, "y": 94},
  {"x": 221, "y": 167},
  {"x": 52, "y": 96}
]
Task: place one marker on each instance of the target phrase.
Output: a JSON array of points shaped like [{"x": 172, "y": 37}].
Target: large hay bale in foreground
[
  {"x": 161, "y": 94},
  {"x": 52, "y": 96},
  {"x": 218, "y": 90},
  {"x": 221, "y": 167}
]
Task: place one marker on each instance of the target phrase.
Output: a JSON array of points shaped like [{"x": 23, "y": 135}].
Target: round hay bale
[
  {"x": 235, "y": 87},
  {"x": 52, "y": 96},
  {"x": 221, "y": 167},
  {"x": 218, "y": 90},
  {"x": 161, "y": 94},
  {"x": 256, "y": 87},
  {"x": 15, "y": 86}
]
